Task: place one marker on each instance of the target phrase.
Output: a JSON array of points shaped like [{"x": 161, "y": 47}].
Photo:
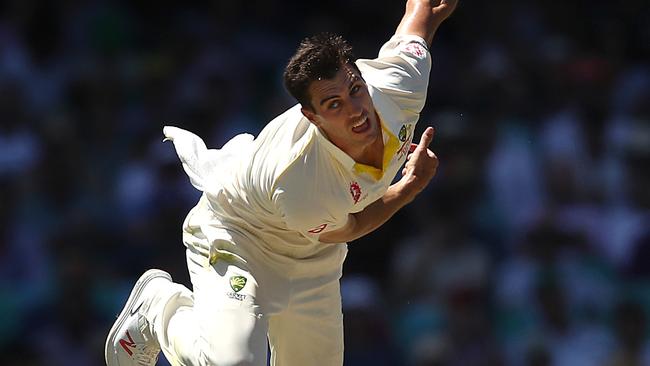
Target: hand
[
  {"x": 443, "y": 8},
  {"x": 421, "y": 165}
]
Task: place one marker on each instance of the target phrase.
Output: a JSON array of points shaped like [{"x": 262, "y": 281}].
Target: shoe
[{"x": 130, "y": 341}]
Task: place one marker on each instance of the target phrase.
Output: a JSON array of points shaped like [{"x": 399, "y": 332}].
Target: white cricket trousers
[{"x": 236, "y": 307}]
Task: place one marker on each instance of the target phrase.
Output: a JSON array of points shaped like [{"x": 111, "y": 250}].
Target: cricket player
[{"x": 267, "y": 240}]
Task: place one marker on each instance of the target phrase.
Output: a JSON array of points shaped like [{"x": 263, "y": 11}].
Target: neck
[{"x": 374, "y": 154}]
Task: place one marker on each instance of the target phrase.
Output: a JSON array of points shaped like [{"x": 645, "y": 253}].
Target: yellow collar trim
[{"x": 390, "y": 148}]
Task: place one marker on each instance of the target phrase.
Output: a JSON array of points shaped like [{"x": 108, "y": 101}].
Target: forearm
[
  {"x": 423, "y": 17},
  {"x": 420, "y": 167},
  {"x": 372, "y": 217}
]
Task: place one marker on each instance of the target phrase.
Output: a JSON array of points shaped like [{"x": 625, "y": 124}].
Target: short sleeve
[
  {"x": 307, "y": 216},
  {"x": 400, "y": 71}
]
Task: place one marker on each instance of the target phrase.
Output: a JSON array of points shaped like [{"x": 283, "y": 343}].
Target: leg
[
  {"x": 310, "y": 331},
  {"x": 219, "y": 324},
  {"x": 223, "y": 326},
  {"x": 131, "y": 340}
]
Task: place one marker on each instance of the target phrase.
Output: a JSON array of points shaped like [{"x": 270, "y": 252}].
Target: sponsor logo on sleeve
[{"x": 415, "y": 49}]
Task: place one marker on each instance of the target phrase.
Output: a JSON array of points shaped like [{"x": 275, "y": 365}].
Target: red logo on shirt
[
  {"x": 416, "y": 49},
  {"x": 318, "y": 229},
  {"x": 355, "y": 191}
]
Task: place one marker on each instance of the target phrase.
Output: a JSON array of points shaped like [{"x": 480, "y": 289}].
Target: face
[{"x": 343, "y": 110}]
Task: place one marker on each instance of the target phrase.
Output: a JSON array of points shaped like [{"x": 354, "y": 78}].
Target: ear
[{"x": 310, "y": 115}]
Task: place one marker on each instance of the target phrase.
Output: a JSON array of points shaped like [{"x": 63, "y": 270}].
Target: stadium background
[{"x": 531, "y": 246}]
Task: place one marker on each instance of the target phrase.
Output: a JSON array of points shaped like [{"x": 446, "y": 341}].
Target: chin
[{"x": 375, "y": 130}]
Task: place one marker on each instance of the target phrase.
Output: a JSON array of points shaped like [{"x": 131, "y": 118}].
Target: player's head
[
  {"x": 324, "y": 79},
  {"x": 318, "y": 57}
]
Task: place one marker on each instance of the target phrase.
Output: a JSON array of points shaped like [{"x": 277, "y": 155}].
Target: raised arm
[{"x": 423, "y": 17}]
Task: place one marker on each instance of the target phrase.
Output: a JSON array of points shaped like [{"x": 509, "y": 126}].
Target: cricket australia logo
[
  {"x": 355, "y": 191},
  {"x": 237, "y": 283},
  {"x": 402, "y": 133},
  {"x": 405, "y": 136}
]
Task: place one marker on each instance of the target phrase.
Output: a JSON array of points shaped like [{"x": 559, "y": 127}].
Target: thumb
[{"x": 426, "y": 138}]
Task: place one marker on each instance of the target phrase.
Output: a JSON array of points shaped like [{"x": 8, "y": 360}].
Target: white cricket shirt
[{"x": 281, "y": 190}]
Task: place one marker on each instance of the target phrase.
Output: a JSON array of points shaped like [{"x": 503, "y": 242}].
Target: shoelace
[{"x": 147, "y": 355}]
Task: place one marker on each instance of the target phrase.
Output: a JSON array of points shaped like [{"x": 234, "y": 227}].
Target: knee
[{"x": 230, "y": 346}]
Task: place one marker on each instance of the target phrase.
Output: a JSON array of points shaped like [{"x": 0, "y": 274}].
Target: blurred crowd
[{"x": 531, "y": 247}]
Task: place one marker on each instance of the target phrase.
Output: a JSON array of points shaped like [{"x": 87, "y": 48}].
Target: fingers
[
  {"x": 446, "y": 7},
  {"x": 412, "y": 148},
  {"x": 427, "y": 137}
]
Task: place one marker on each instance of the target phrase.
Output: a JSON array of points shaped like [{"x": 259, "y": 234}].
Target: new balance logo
[
  {"x": 127, "y": 345},
  {"x": 135, "y": 309}
]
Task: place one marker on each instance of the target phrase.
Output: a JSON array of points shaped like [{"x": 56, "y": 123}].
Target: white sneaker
[{"x": 130, "y": 341}]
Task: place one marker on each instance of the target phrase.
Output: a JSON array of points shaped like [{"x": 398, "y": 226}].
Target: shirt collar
[
  {"x": 391, "y": 144},
  {"x": 339, "y": 155}
]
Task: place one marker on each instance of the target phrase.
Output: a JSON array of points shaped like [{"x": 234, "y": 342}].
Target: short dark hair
[{"x": 318, "y": 57}]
